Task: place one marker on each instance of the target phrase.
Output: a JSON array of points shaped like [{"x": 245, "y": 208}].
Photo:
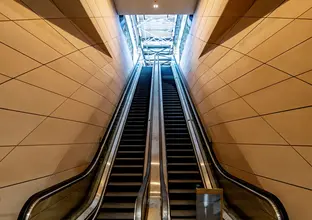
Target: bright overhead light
[{"x": 155, "y": 5}]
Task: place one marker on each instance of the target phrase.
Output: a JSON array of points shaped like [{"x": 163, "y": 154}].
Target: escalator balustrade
[
  {"x": 183, "y": 172},
  {"x": 127, "y": 172}
]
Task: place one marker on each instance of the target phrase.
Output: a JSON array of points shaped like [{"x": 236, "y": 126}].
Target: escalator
[
  {"x": 127, "y": 172},
  {"x": 183, "y": 172},
  {"x": 119, "y": 182}
]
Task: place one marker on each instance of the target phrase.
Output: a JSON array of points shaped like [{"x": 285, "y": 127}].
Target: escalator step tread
[
  {"x": 183, "y": 218},
  {"x": 182, "y": 202},
  {"x": 183, "y": 172},
  {"x": 126, "y": 166},
  {"x": 115, "y": 215},
  {"x": 182, "y": 157},
  {"x": 121, "y": 194},
  {"x": 182, "y": 191},
  {"x": 185, "y": 181},
  {"x": 125, "y": 184},
  {"x": 183, "y": 213},
  {"x": 131, "y": 145},
  {"x": 182, "y": 164},
  {"x": 130, "y": 152},
  {"x": 113, "y": 205},
  {"x": 129, "y": 158},
  {"x": 178, "y": 138},
  {"x": 126, "y": 174}
]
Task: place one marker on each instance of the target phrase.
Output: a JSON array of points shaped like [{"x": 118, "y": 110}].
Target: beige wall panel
[
  {"x": 82, "y": 113},
  {"x": 24, "y": 97},
  {"x": 89, "y": 97},
  {"x": 292, "y": 9},
  {"x": 226, "y": 61},
  {"x": 305, "y": 152},
  {"x": 269, "y": 32},
  {"x": 57, "y": 131},
  {"x": 260, "y": 33},
  {"x": 292, "y": 93},
  {"x": 34, "y": 48},
  {"x": 15, "y": 196},
  {"x": 61, "y": 35},
  {"x": 9, "y": 58},
  {"x": 49, "y": 79},
  {"x": 70, "y": 69},
  {"x": 258, "y": 78},
  {"x": 237, "y": 33},
  {"x": 16, "y": 10},
  {"x": 295, "y": 61},
  {"x": 239, "y": 68},
  {"x": 306, "y": 77},
  {"x": 295, "y": 126},
  {"x": 42, "y": 30},
  {"x": 233, "y": 110},
  {"x": 15, "y": 126},
  {"x": 4, "y": 78},
  {"x": 296, "y": 200},
  {"x": 33, "y": 162},
  {"x": 282, "y": 163},
  {"x": 253, "y": 131},
  {"x": 291, "y": 35},
  {"x": 83, "y": 61}
]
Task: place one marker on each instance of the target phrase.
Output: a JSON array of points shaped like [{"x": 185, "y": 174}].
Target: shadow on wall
[
  {"x": 55, "y": 11},
  {"x": 230, "y": 152},
  {"x": 236, "y": 9}
]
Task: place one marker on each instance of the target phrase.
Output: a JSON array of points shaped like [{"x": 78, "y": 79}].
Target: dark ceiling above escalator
[{"x": 139, "y": 7}]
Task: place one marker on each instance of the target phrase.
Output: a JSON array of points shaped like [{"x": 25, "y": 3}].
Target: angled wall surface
[
  {"x": 63, "y": 66},
  {"x": 252, "y": 85}
]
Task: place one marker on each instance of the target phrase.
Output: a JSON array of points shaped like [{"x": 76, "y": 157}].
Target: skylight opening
[{"x": 156, "y": 35}]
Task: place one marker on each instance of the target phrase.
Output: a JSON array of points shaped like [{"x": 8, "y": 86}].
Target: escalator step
[
  {"x": 184, "y": 191},
  {"x": 182, "y": 157},
  {"x": 131, "y": 145},
  {"x": 183, "y": 213},
  {"x": 183, "y": 172},
  {"x": 125, "y": 184},
  {"x": 184, "y": 181},
  {"x": 182, "y": 202},
  {"x": 182, "y": 164},
  {"x": 129, "y": 158},
  {"x": 127, "y": 172},
  {"x": 121, "y": 194},
  {"x": 118, "y": 215},
  {"x": 113, "y": 205},
  {"x": 130, "y": 152},
  {"x": 130, "y": 166}
]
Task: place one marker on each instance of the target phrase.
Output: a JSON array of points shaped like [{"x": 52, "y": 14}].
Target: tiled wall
[
  {"x": 63, "y": 65},
  {"x": 253, "y": 89}
]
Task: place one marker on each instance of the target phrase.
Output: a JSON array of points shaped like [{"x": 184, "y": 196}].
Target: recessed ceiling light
[{"x": 155, "y": 5}]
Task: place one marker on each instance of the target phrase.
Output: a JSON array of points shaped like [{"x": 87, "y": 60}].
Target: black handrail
[
  {"x": 279, "y": 208},
  {"x": 41, "y": 195}
]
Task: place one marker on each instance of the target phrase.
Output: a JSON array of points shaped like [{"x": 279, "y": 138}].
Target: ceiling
[{"x": 139, "y": 7}]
